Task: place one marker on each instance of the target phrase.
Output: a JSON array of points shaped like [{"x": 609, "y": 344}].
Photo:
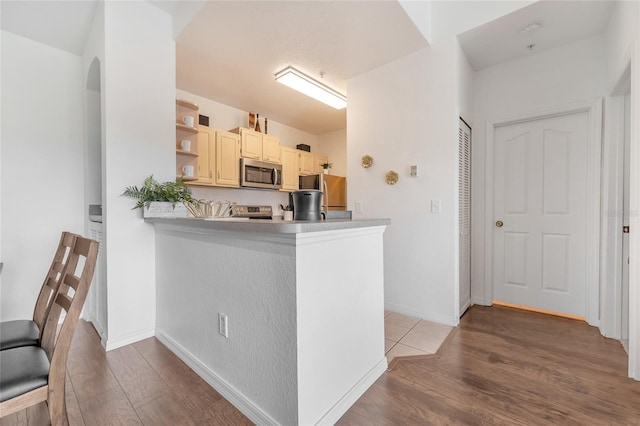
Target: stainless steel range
[{"x": 252, "y": 212}]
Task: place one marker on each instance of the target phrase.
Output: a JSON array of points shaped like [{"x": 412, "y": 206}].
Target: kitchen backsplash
[{"x": 243, "y": 196}]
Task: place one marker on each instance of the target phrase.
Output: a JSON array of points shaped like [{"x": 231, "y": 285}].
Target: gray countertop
[{"x": 267, "y": 225}]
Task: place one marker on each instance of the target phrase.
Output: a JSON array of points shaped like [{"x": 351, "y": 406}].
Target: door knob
[{"x": 499, "y": 224}]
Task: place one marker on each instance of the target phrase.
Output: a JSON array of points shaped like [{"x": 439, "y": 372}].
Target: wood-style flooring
[
  {"x": 501, "y": 366},
  {"x": 508, "y": 367},
  {"x": 139, "y": 384}
]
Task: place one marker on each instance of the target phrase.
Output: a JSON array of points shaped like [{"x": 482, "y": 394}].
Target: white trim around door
[
  {"x": 594, "y": 109},
  {"x": 634, "y": 219}
]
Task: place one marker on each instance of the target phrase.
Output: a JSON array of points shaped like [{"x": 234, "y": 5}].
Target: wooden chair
[
  {"x": 18, "y": 333},
  {"x": 32, "y": 374}
]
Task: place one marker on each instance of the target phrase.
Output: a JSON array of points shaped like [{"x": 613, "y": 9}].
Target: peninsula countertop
[{"x": 272, "y": 226}]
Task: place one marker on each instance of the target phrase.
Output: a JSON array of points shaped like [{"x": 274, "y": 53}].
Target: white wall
[
  {"x": 618, "y": 41},
  {"x": 622, "y": 41},
  {"x": 634, "y": 252},
  {"x": 465, "y": 75},
  {"x": 138, "y": 59},
  {"x": 621, "y": 31},
  {"x": 553, "y": 78},
  {"x": 405, "y": 113},
  {"x": 225, "y": 117},
  {"x": 334, "y": 145},
  {"x": 42, "y": 164}
]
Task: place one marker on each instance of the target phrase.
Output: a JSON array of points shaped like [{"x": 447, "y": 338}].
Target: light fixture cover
[{"x": 304, "y": 84}]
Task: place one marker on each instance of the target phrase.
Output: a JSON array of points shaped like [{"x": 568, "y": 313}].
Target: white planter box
[{"x": 163, "y": 209}]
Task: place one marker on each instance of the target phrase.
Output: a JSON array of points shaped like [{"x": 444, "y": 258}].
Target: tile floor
[{"x": 409, "y": 336}]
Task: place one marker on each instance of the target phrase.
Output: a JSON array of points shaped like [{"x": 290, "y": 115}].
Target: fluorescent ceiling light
[{"x": 310, "y": 87}]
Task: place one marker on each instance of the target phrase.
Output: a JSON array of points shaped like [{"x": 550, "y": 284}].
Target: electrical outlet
[
  {"x": 358, "y": 206},
  {"x": 223, "y": 325}
]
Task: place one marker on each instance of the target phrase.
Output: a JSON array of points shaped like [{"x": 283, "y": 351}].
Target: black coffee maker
[{"x": 307, "y": 204}]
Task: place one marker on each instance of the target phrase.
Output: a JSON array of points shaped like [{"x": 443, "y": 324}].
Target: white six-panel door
[{"x": 540, "y": 213}]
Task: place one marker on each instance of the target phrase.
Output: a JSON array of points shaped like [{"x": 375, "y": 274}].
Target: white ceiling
[
  {"x": 61, "y": 24},
  {"x": 561, "y": 22},
  {"x": 230, "y": 50}
]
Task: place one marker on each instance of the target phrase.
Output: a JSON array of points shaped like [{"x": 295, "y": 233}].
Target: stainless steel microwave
[{"x": 258, "y": 174}]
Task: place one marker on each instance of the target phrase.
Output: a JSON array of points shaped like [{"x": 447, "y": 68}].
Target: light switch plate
[{"x": 435, "y": 206}]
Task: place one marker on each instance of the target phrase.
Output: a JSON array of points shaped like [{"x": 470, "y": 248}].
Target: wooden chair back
[
  {"x": 69, "y": 297},
  {"x": 52, "y": 279}
]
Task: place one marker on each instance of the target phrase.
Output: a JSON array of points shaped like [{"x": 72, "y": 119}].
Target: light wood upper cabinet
[
  {"x": 205, "y": 143},
  {"x": 250, "y": 143},
  {"x": 258, "y": 146},
  {"x": 271, "y": 149},
  {"x": 318, "y": 161},
  {"x": 218, "y": 158},
  {"x": 306, "y": 163},
  {"x": 289, "y": 157},
  {"x": 227, "y": 159}
]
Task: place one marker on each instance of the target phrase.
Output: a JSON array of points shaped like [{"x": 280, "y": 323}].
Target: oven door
[{"x": 258, "y": 174}]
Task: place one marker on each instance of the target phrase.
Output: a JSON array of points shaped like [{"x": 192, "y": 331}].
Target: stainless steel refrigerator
[{"x": 334, "y": 190}]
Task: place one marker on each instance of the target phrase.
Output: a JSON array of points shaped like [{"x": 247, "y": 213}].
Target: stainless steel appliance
[
  {"x": 306, "y": 205},
  {"x": 252, "y": 212},
  {"x": 259, "y": 174},
  {"x": 334, "y": 189}
]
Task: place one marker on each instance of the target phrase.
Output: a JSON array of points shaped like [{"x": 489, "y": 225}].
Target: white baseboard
[
  {"x": 240, "y": 401},
  {"x": 127, "y": 339},
  {"x": 343, "y": 405},
  {"x": 248, "y": 407},
  {"x": 480, "y": 301},
  {"x": 441, "y": 319},
  {"x": 103, "y": 337}
]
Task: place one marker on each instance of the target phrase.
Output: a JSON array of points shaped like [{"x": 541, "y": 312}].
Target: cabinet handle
[
  {"x": 218, "y": 174},
  {"x": 210, "y": 174}
]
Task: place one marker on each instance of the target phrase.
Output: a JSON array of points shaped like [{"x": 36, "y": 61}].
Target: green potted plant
[
  {"x": 326, "y": 167},
  {"x": 160, "y": 199}
]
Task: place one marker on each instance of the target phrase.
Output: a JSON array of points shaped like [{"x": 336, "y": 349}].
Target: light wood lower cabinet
[
  {"x": 218, "y": 158},
  {"x": 289, "y": 158}
]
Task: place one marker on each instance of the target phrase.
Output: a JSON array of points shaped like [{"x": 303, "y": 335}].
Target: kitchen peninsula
[{"x": 304, "y": 309}]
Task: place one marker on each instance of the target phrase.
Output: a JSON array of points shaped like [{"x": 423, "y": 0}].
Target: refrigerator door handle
[{"x": 325, "y": 195}]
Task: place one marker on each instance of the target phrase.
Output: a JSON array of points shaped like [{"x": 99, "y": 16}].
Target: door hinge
[{"x": 625, "y": 229}]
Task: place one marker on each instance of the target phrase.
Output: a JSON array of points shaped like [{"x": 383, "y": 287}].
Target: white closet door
[{"x": 464, "y": 214}]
